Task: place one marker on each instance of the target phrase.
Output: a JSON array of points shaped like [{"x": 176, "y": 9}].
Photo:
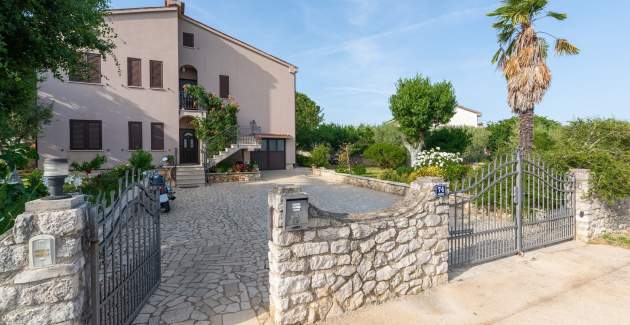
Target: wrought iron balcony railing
[{"x": 186, "y": 102}]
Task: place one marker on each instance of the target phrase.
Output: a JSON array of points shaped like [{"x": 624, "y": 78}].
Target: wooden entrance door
[{"x": 188, "y": 147}]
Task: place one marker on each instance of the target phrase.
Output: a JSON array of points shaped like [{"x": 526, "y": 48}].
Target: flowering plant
[{"x": 434, "y": 157}]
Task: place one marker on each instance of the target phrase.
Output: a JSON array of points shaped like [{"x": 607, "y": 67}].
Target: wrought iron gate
[
  {"x": 125, "y": 251},
  {"x": 511, "y": 205}
]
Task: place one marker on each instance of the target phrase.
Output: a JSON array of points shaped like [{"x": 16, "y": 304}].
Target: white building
[{"x": 465, "y": 117}]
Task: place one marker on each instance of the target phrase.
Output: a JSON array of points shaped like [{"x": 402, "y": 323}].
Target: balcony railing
[{"x": 186, "y": 102}]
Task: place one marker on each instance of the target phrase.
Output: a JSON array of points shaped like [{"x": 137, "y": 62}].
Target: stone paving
[{"x": 214, "y": 248}]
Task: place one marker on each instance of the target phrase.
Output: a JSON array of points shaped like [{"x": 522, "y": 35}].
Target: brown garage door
[{"x": 271, "y": 155}]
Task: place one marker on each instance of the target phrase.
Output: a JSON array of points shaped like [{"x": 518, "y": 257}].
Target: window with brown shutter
[
  {"x": 135, "y": 135},
  {"x": 93, "y": 74},
  {"x": 224, "y": 86},
  {"x": 189, "y": 39},
  {"x": 134, "y": 72},
  {"x": 85, "y": 135},
  {"x": 157, "y": 136},
  {"x": 155, "y": 73}
]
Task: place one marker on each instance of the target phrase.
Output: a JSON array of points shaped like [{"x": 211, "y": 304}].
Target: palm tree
[{"x": 522, "y": 58}]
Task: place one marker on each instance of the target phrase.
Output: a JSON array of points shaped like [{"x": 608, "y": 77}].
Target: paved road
[
  {"x": 214, "y": 248},
  {"x": 570, "y": 283}
]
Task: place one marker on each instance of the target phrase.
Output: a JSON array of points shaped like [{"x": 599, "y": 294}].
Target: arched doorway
[
  {"x": 188, "y": 142},
  {"x": 187, "y": 76}
]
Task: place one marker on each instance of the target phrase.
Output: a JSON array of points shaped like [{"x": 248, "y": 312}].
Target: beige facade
[
  {"x": 465, "y": 117},
  {"x": 263, "y": 85}
]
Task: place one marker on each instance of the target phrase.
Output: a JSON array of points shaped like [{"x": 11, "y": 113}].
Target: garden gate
[
  {"x": 512, "y": 205},
  {"x": 125, "y": 251}
]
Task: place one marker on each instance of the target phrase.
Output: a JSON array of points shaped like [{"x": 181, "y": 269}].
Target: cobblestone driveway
[{"x": 214, "y": 248}]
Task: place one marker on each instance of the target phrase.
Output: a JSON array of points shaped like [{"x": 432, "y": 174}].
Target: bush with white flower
[{"x": 434, "y": 157}]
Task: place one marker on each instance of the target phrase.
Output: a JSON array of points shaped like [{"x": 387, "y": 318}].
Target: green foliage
[
  {"x": 358, "y": 169},
  {"x": 320, "y": 156},
  {"x": 391, "y": 175},
  {"x": 476, "y": 150},
  {"x": 302, "y": 160},
  {"x": 342, "y": 169},
  {"x": 335, "y": 135},
  {"x": 13, "y": 198},
  {"x": 88, "y": 166},
  {"x": 425, "y": 171},
  {"x": 387, "y": 132},
  {"x": 15, "y": 155},
  {"x": 418, "y": 105},
  {"x": 308, "y": 116},
  {"x": 386, "y": 155},
  {"x": 141, "y": 160},
  {"x": 503, "y": 137},
  {"x": 448, "y": 139}
]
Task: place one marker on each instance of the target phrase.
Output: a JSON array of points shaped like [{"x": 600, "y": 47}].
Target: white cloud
[{"x": 360, "y": 11}]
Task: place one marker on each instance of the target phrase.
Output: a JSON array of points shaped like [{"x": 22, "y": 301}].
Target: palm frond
[
  {"x": 556, "y": 15},
  {"x": 497, "y": 55},
  {"x": 563, "y": 47},
  {"x": 543, "y": 47}
]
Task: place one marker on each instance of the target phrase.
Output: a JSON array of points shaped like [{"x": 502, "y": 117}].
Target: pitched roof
[{"x": 469, "y": 109}]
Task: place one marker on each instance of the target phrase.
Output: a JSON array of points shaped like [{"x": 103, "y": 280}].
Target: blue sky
[{"x": 351, "y": 52}]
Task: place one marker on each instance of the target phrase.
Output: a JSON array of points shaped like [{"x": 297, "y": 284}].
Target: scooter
[{"x": 166, "y": 192}]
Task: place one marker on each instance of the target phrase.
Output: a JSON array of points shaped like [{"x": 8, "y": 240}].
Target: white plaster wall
[{"x": 464, "y": 117}]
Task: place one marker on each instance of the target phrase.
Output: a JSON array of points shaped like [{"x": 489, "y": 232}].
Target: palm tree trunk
[{"x": 526, "y": 130}]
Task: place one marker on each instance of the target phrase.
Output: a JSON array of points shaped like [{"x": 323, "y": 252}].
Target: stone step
[{"x": 191, "y": 173}]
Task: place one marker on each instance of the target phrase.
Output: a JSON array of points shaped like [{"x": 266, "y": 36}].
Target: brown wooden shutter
[
  {"x": 94, "y": 60},
  {"x": 135, "y": 135},
  {"x": 157, "y": 136},
  {"x": 94, "y": 134},
  {"x": 134, "y": 72},
  {"x": 224, "y": 86},
  {"x": 189, "y": 39},
  {"x": 156, "y": 74},
  {"x": 77, "y": 135}
]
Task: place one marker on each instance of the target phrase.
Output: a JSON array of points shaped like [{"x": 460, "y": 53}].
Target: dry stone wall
[
  {"x": 595, "y": 217},
  {"x": 345, "y": 261},
  {"x": 362, "y": 181}
]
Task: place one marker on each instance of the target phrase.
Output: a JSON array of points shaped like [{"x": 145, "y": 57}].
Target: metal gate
[
  {"x": 125, "y": 251},
  {"x": 511, "y": 205}
]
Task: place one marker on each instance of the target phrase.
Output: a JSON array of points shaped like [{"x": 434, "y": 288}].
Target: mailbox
[
  {"x": 296, "y": 212},
  {"x": 42, "y": 251}
]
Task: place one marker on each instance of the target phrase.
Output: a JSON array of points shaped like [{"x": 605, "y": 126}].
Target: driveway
[
  {"x": 570, "y": 283},
  {"x": 214, "y": 248}
]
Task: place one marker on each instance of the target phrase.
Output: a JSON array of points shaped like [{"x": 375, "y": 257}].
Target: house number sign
[
  {"x": 41, "y": 251},
  {"x": 440, "y": 190}
]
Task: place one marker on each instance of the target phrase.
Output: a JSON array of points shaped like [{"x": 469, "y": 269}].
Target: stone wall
[
  {"x": 345, "y": 261},
  {"x": 50, "y": 295},
  {"x": 595, "y": 217},
  {"x": 232, "y": 177},
  {"x": 362, "y": 181}
]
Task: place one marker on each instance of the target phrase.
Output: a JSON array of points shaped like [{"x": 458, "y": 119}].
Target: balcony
[{"x": 186, "y": 102}]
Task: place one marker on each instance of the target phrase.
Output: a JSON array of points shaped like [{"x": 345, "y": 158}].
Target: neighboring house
[
  {"x": 465, "y": 117},
  {"x": 139, "y": 104}
]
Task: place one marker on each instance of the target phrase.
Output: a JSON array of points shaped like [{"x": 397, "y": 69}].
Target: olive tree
[{"x": 419, "y": 105}]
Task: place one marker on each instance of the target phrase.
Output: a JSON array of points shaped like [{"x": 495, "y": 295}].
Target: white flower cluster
[{"x": 435, "y": 157}]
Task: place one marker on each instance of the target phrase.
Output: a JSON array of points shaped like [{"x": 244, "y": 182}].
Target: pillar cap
[{"x": 40, "y": 205}]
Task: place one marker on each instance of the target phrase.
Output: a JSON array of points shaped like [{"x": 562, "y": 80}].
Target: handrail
[{"x": 220, "y": 141}]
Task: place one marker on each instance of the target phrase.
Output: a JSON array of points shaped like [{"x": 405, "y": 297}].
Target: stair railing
[{"x": 220, "y": 142}]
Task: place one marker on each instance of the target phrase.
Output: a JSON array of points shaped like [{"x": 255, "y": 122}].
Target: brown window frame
[
  {"x": 130, "y": 76},
  {"x": 188, "y": 37},
  {"x": 86, "y": 134},
  {"x": 153, "y": 65},
  {"x": 154, "y": 145},
  {"x": 224, "y": 86},
  {"x": 133, "y": 143},
  {"x": 93, "y": 75}
]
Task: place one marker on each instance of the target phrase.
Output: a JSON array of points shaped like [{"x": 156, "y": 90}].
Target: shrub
[
  {"x": 405, "y": 170},
  {"x": 391, "y": 175},
  {"x": 302, "y": 160},
  {"x": 13, "y": 197},
  {"x": 386, "y": 155},
  {"x": 342, "y": 170},
  {"x": 449, "y": 139},
  {"x": 476, "y": 150},
  {"x": 434, "y": 157},
  {"x": 425, "y": 171},
  {"x": 455, "y": 172},
  {"x": 358, "y": 169},
  {"x": 141, "y": 160},
  {"x": 320, "y": 156},
  {"x": 88, "y": 166}
]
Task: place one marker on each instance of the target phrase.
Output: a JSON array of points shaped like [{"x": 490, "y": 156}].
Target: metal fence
[
  {"x": 124, "y": 251},
  {"x": 511, "y": 205}
]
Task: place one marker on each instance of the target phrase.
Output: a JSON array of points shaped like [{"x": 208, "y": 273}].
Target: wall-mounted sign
[
  {"x": 440, "y": 190},
  {"x": 41, "y": 251}
]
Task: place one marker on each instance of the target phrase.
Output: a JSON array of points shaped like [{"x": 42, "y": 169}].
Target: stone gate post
[
  {"x": 55, "y": 293},
  {"x": 343, "y": 261}
]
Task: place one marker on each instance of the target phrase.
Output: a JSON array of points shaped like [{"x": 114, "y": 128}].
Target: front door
[{"x": 188, "y": 147}]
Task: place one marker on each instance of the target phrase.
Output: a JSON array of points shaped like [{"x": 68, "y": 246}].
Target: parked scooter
[{"x": 166, "y": 192}]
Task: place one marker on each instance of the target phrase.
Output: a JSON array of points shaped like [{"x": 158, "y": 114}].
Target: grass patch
[{"x": 621, "y": 240}]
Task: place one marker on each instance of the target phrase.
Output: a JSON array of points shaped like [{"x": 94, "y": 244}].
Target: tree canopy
[{"x": 308, "y": 116}]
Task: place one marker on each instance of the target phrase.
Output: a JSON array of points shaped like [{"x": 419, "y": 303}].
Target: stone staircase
[
  {"x": 190, "y": 176},
  {"x": 244, "y": 143}
]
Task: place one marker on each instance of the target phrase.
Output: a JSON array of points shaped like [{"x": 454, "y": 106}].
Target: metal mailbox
[{"x": 296, "y": 212}]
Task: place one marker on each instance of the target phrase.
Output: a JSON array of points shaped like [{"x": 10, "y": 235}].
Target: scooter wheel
[{"x": 167, "y": 207}]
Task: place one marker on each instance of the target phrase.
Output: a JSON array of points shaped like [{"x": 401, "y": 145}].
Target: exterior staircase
[
  {"x": 190, "y": 176},
  {"x": 246, "y": 142}
]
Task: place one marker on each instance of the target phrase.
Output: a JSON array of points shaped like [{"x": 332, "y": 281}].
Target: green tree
[
  {"x": 419, "y": 105},
  {"x": 308, "y": 116},
  {"x": 522, "y": 57},
  {"x": 386, "y": 155},
  {"x": 37, "y": 36},
  {"x": 449, "y": 139},
  {"x": 387, "y": 132}
]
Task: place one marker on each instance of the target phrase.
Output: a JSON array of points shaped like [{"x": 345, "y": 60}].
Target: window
[
  {"x": 135, "y": 135},
  {"x": 134, "y": 72},
  {"x": 277, "y": 146},
  {"x": 93, "y": 75},
  {"x": 155, "y": 72},
  {"x": 189, "y": 40},
  {"x": 85, "y": 135},
  {"x": 157, "y": 136},
  {"x": 224, "y": 86}
]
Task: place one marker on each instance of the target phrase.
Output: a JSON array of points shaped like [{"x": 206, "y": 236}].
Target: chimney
[{"x": 175, "y": 3}]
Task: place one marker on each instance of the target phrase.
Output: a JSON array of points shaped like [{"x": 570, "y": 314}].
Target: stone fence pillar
[
  {"x": 55, "y": 293},
  {"x": 342, "y": 262},
  {"x": 595, "y": 217}
]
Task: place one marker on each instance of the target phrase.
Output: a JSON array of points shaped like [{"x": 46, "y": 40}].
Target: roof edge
[
  {"x": 121, "y": 11},
  {"x": 469, "y": 109}
]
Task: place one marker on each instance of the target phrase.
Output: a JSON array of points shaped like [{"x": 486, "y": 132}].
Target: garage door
[{"x": 271, "y": 155}]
